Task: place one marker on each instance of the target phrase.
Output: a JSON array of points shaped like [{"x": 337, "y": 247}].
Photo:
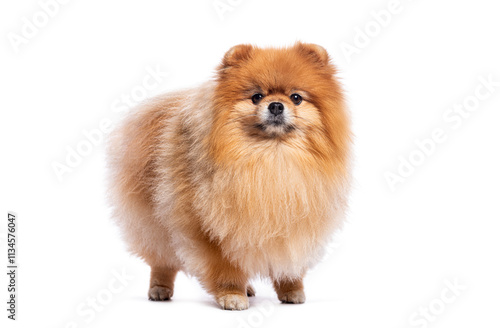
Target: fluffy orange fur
[{"x": 200, "y": 183}]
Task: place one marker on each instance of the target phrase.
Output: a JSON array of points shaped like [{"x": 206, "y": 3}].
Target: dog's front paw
[
  {"x": 160, "y": 293},
  {"x": 233, "y": 302},
  {"x": 293, "y": 296}
]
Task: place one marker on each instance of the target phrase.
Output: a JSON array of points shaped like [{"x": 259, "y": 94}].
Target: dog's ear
[
  {"x": 237, "y": 54},
  {"x": 314, "y": 52}
]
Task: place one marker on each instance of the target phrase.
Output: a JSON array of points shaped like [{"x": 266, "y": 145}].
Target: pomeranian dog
[{"x": 244, "y": 176}]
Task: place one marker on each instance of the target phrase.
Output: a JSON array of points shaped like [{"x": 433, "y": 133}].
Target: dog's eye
[
  {"x": 296, "y": 98},
  {"x": 256, "y": 98}
]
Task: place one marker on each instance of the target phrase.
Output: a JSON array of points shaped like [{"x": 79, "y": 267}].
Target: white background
[{"x": 399, "y": 249}]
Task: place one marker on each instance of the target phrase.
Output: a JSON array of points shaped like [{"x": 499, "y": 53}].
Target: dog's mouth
[
  {"x": 274, "y": 127},
  {"x": 267, "y": 127},
  {"x": 276, "y": 121}
]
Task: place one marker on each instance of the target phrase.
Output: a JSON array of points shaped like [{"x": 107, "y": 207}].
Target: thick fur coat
[{"x": 207, "y": 181}]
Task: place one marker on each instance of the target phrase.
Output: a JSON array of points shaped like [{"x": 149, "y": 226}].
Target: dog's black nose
[{"x": 276, "y": 108}]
